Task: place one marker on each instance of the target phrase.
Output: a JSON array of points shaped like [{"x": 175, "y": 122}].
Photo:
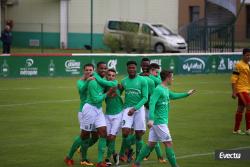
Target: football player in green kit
[
  {"x": 82, "y": 85},
  {"x": 147, "y": 72},
  {"x": 136, "y": 95},
  {"x": 92, "y": 116},
  {"x": 113, "y": 115},
  {"x": 158, "y": 118}
]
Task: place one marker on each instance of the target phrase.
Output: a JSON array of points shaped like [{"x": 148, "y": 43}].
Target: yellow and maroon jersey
[{"x": 241, "y": 77}]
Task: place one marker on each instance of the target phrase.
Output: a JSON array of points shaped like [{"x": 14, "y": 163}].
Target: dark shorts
[{"x": 243, "y": 98}]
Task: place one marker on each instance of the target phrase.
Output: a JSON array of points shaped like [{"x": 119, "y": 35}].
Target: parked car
[{"x": 161, "y": 39}]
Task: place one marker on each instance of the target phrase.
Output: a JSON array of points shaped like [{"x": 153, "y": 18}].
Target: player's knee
[
  {"x": 94, "y": 135},
  {"x": 125, "y": 132},
  {"x": 84, "y": 134},
  {"x": 111, "y": 137},
  {"x": 168, "y": 144},
  {"x": 139, "y": 134},
  {"x": 103, "y": 135},
  {"x": 102, "y": 131},
  {"x": 151, "y": 144},
  {"x": 240, "y": 108}
]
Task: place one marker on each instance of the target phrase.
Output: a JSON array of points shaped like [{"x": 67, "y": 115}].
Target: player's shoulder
[
  {"x": 158, "y": 91},
  {"x": 240, "y": 63},
  {"x": 150, "y": 80},
  {"x": 124, "y": 79},
  {"x": 80, "y": 82},
  {"x": 142, "y": 78},
  {"x": 158, "y": 87}
]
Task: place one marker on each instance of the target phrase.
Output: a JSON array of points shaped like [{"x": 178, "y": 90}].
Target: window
[
  {"x": 114, "y": 25},
  {"x": 129, "y": 26},
  {"x": 123, "y": 26},
  {"x": 145, "y": 29},
  {"x": 194, "y": 13}
]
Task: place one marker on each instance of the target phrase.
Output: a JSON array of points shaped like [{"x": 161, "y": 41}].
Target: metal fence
[
  {"x": 47, "y": 35},
  {"x": 210, "y": 38}
]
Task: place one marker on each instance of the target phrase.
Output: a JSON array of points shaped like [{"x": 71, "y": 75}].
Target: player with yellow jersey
[{"x": 240, "y": 80}]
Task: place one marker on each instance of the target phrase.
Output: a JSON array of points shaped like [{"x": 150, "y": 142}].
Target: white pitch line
[
  {"x": 36, "y": 88},
  {"x": 68, "y": 87},
  {"x": 189, "y": 156},
  {"x": 39, "y": 102}
]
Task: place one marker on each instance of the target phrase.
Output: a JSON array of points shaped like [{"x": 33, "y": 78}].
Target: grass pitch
[{"x": 38, "y": 122}]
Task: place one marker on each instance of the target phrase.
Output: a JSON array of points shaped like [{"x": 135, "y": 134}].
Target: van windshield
[{"x": 163, "y": 30}]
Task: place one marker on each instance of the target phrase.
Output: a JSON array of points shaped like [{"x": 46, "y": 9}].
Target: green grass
[{"x": 38, "y": 122}]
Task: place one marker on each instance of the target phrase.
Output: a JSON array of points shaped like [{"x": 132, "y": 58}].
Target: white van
[{"x": 161, "y": 38}]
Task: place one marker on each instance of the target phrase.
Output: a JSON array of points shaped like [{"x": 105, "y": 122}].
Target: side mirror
[{"x": 152, "y": 33}]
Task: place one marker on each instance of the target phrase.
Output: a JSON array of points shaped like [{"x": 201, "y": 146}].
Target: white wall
[
  {"x": 27, "y": 13},
  {"x": 153, "y": 11}
]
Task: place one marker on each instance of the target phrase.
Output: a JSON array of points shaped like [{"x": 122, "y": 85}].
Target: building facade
[
  {"x": 67, "y": 23},
  {"x": 193, "y": 10}
]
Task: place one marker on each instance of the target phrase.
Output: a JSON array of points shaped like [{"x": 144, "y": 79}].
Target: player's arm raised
[
  {"x": 174, "y": 96},
  {"x": 105, "y": 82}
]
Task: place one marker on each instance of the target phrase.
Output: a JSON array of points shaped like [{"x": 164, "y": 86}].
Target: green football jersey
[
  {"x": 156, "y": 79},
  {"x": 114, "y": 105},
  {"x": 103, "y": 82},
  {"x": 136, "y": 91},
  {"x": 95, "y": 94},
  {"x": 159, "y": 104},
  {"x": 95, "y": 91},
  {"x": 82, "y": 90}
]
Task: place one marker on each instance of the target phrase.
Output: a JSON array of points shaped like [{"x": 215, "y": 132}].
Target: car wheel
[{"x": 159, "y": 48}]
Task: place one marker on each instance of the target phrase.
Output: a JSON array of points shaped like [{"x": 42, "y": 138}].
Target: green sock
[
  {"x": 111, "y": 148},
  {"x": 101, "y": 148},
  {"x": 84, "y": 148},
  {"x": 92, "y": 141},
  {"x": 131, "y": 139},
  {"x": 108, "y": 142},
  {"x": 158, "y": 150},
  {"x": 76, "y": 144},
  {"x": 123, "y": 146},
  {"x": 144, "y": 152},
  {"x": 138, "y": 144},
  {"x": 171, "y": 156}
]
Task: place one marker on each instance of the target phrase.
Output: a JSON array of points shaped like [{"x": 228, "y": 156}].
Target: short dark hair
[
  {"x": 154, "y": 65},
  {"x": 131, "y": 62},
  {"x": 112, "y": 70},
  {"x": 165, "y": 73},
  {"x": 100, "y": 62},
  {"x": 246, "y": 50},
  {"x": 88, "y": 65},
  {"x": 145, "y": 59}
]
